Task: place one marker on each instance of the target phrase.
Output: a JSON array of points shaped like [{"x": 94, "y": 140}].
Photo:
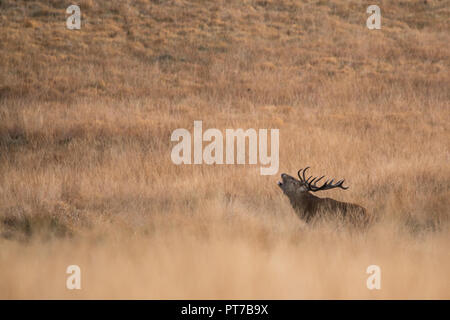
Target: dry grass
[{"x": 85, "y": 170}]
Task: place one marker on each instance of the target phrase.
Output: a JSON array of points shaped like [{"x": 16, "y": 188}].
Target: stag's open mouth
[
  {"x": 279, "y": 183},
  {"x": 284, "y": 178}
]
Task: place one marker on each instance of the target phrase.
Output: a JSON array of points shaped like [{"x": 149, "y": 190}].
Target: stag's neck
[
  {"x": 305, "y": 204},
  {"x": 306, "y": 196},
  {"x": 302, "y": 197}
]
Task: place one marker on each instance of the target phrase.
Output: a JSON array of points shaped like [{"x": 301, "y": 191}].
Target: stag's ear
[{"x": 302, "y": 187}]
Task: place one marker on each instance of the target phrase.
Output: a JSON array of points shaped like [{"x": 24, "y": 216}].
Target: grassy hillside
[{"x": 86, "y": 176}]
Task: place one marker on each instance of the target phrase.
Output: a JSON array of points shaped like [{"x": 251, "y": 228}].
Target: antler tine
[
  {"x": 299, "y": 176},
  {"x": 304, "y": 170},
  {"x": 312, "y": 181},
  {"x": 340, "y": 184},
  {"x": 319, "y": 179}
]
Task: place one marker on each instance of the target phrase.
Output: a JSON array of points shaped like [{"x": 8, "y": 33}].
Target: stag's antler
[{"x": 311, "y": 184}]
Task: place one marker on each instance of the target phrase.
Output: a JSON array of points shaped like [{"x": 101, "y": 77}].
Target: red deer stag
[{"x": 308, "y": 206}]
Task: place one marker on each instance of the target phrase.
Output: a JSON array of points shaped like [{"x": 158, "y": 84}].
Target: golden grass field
[{"x": 86, "y": 176}]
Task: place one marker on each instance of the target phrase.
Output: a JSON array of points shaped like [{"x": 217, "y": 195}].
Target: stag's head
[{"x": 292, "y": 186}]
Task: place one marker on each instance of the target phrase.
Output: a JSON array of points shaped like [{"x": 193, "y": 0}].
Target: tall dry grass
[{"x": 85, "y": 170}]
